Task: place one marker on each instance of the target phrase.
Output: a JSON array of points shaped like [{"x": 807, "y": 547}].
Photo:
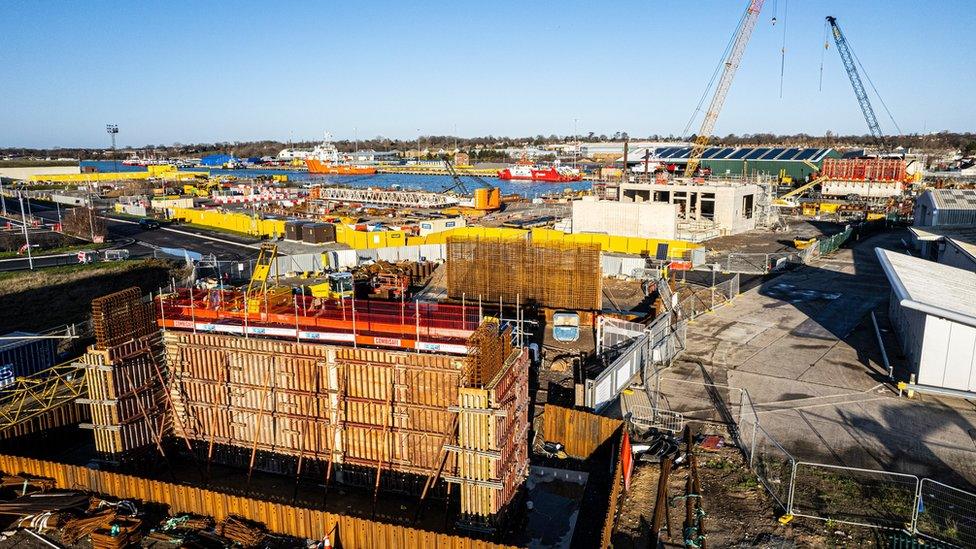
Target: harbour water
[{"x": 434, "y": 183}]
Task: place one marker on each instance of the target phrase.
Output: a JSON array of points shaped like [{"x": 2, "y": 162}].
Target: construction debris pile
[{"x": 518, "y": 271}]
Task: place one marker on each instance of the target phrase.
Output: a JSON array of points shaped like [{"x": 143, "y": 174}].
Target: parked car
[{"x": 148, "y": 224}]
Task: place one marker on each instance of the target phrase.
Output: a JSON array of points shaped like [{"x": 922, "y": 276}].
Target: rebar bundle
[{"x": 557, "y": 275}]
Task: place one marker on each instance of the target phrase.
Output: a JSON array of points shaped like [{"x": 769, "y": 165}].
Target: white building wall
[
  {"x": 640, "y": 219},
  {"x": 865, "y": 189},
  {"x": 948, "y": 356},
  {"x": 27, "y": 172},
  {"x": 909, "y": 326}
]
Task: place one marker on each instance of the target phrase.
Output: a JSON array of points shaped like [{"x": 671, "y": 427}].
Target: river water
[{"x": 433, "y": 183}]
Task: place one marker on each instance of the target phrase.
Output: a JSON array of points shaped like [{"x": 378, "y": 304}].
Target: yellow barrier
[
  {"x": 362, "y": 240},
  {"x": 159, "y": 172},
  {"x": 235, "y": 222}
]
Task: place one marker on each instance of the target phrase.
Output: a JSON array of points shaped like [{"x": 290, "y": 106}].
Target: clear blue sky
[{"x": 179, "y": 71}]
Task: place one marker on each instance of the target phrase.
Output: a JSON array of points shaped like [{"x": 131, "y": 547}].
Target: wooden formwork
[
  {"x": 357, "y": 406},
  {"x": 342, "y": 530},
  {"x": 492, "y": 448},
  {"x": 124, "y": 375},
  {"x": 550, "y": 274}
]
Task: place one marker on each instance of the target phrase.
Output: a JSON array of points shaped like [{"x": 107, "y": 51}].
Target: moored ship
[
  {"x": 550, "y": 174},
  {"x": 325, "y": 159}
]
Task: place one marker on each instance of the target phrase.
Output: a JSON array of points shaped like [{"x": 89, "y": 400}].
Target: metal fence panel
[
  {"x": 773, "y": 466},
  {"x": 850, "y": 495},
  {"x": 946, "y": 514}
]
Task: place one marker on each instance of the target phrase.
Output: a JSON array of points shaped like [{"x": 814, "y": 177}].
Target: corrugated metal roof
[
  {"x": 931, "y": 287},
  {"x": 780, "y": 154},
  {"x": 954, "y": 199}
]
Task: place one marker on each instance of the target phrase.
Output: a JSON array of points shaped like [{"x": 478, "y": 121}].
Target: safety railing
[
  {"x": 699, "y": 300},
  {"x": 872, "y": 498}
]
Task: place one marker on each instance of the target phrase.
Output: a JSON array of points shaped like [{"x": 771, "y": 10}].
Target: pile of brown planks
[{"x": 124, "y": 375}]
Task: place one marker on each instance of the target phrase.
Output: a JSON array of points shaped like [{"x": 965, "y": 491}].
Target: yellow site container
[
  {"x": 829, "y": 207},
  {"x": 873, "y": 216}
]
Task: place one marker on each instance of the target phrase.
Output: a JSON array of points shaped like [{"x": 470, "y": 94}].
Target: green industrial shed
[{"x": 795, "y": 162}]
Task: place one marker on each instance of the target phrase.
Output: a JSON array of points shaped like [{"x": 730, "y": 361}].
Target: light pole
[
  {"x": 576, "y": 146},
  {"x": 113, "y": 130},
  {"x": 30, "y": 258}
]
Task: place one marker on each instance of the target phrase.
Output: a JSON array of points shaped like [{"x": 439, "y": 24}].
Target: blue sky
[{"x": 186, "y": 72}]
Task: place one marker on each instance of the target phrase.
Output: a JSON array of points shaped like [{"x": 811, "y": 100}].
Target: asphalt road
[{"x": 138, "y": 241}]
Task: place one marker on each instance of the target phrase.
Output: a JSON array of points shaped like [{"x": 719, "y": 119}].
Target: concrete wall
[
  {"x": 644, "y": 220},
  {"x": 24, "y": 173},
  {"x": 725, "y": 205}
]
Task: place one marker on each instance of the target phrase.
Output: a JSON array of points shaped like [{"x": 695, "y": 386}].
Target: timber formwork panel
[
  {"x": 294, "y": 398},
  {"x": 125, "y": 375},
  {"x": 551, "y": 274}
]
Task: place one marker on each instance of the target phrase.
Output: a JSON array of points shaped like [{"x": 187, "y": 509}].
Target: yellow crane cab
[{"x": 337, "y": 286}]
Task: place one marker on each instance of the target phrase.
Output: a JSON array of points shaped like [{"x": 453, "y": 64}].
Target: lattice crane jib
[
  {"x": 742, "y": 35},
  {"x": 844, "y": 49}
]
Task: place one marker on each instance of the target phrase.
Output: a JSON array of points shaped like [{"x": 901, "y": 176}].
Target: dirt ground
[{"x": 739, "y": 512}]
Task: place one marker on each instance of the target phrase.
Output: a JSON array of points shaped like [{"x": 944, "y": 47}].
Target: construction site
[{"x": 673, "y": 343}]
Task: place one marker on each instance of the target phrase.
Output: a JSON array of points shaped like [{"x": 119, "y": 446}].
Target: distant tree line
[{"x": 481, "y": 147}]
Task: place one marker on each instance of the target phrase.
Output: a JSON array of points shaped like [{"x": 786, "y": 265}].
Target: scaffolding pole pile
[
  {"x": 125, "y": 376},
  {"x": 556, "y": 275}
]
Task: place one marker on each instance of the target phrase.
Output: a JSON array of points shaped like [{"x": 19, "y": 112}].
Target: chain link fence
[
  {"x": 871, "y": 498},
  {"x": 696, "y": 300}
]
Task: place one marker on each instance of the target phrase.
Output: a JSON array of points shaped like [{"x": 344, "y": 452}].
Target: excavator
[{"x": 486, "y": 197}]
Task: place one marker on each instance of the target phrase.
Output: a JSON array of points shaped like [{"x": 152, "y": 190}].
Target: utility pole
[
  {"x": 113, "y": 130},
  {"x": 576, "y": 146},
  {"x": 30, "y": 258}
]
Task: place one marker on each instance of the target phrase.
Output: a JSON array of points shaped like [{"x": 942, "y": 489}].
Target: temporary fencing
[
  {"x": 872, "y": 498},
  {"x": 946, "y": 513},
  {"x": 850, "y": 495},
  {"x": 342, "y": 530},
  {"x": 696, "y": 300}
]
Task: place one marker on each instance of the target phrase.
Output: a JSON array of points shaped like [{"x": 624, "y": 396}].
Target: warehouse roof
[
  {"x": 954, "y": 199},
  {"x": 930, "y": 287},
  {"x": 779, "y": 154},
  {"x": 963, "y": 238}
]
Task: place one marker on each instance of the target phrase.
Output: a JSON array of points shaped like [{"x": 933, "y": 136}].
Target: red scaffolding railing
[{"x": 407, "y": 324}]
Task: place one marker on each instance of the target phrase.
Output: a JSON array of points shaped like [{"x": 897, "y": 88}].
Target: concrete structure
[
  {"x": 955, "y": 247},
  {"x": 727, "y": 208},
  {"x": 640, "y": 218},
  {"x": 946, "y": 208},
  {"x": 25, "y": 173},
  {"x": 933, "y": 311}
]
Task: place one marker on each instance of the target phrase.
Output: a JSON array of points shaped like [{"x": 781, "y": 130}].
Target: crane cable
[
  {"x": 866, "y": 75},
  {"x": 718, "y": 67},
  {"x": 782, "y": 59},
  {"x": 823, "y": 54}
]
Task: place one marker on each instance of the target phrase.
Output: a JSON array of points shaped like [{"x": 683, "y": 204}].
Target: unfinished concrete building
[
  {"x": 704, "y": 210},
  {"x": 639, "y": 219}
]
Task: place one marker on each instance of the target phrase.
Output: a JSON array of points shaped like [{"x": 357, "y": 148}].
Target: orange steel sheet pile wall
[
  {"x": 343, "y": 531},
  {"x": 865, "y": 169},
  {"x": 580, "y": 432},
  {"x": 124, "y": 375},
  {"x": 492, "y": 449},
  {"x": 551, "y": 274}
]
